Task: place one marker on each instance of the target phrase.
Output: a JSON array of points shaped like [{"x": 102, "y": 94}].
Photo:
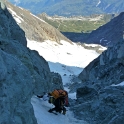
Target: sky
[{"x": 68, "y": 60}]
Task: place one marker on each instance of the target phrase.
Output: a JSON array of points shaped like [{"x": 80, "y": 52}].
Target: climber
[{"x": 59, "y": 98}]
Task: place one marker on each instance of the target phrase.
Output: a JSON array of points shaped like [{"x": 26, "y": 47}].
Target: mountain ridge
[
  {"x": 39, "y": 29},
  {"x": 72, "y": 7},
  {"x": 108, "y": 34}
]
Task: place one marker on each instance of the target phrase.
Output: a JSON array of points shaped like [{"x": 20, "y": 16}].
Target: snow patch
[
  {"x": 17, "y": 18},
  {"x": 38, "y": 18},
  {"x": 121, "y": 84},
  {"x": 98, "y": 3},
  {"x": 44, "y": 117},
  {"x": 107, "y": 6},
  {"x": 67, "y": 54}
]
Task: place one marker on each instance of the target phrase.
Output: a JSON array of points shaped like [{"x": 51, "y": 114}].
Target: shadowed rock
[
  {"x": 23, "y": 73},
  {"x": 98, "y": 100}
]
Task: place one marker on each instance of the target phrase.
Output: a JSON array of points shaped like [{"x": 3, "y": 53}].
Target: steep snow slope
[
  {"x": 44, "y": 117},
  {"x": 66, "y": 53},
  {"x": 66, "y": 59}
]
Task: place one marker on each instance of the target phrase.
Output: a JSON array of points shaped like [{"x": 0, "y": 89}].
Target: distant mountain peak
[{"x": 71, "y": 7}]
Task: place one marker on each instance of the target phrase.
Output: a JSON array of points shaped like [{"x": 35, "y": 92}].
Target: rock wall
[
  {"x": 99, "y": 96},
  {"x": 23, "y": 73},
  {"x": 8, "y": 27}
]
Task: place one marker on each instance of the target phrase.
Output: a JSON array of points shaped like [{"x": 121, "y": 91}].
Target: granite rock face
[
  {"x": 23, "y": 73},
  {"x": 100, "y": 95},
  {"x": 8, "y": 27}
]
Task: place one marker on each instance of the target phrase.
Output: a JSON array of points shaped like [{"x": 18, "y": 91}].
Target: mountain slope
[
  {"x": 77, "y": 28},
  {"x": 52, "y": 51},
  {"x": 77, "y": 24},
  {"x": 71, "y": 7},
  {"x": 108, "y": 34},
  {"x": 34, "y": 27}
]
